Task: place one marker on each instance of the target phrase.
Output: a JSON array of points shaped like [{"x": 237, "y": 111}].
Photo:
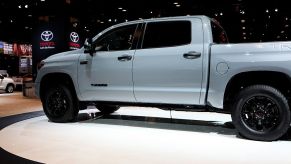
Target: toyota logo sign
[
  {"x": 47, "y": 36},
  {"x": 74, "y": 37}
]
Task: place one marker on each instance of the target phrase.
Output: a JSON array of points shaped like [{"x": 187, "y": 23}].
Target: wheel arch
[
  {"x": 10, "y": 84},
  {"x": 278, "y": 80},
  {"x": 54, "y": 79}
]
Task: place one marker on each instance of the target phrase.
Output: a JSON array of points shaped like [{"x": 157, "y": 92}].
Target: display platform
[{"x": 135, "y": 135}]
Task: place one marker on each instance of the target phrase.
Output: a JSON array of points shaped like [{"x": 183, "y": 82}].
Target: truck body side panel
[{"x": 228, "y": 60}]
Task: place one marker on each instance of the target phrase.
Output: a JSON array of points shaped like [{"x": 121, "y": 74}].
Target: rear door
[{"x": 168, "y": 66}]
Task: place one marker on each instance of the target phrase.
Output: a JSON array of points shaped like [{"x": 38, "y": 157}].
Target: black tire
[
  {"x": 9, "y": 88},
  {"x": 59, "y": 104},
  {"x": 261, "y": 112},
  {"x": 107, "y": 109}
]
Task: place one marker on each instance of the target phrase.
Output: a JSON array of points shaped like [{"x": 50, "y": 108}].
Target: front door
[{"x": 107, "y": 74}]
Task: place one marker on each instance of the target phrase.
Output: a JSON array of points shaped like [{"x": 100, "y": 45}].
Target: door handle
[
  {"x": 124, "y": 58},
  {"x": 192, "y": 55},
  {"x": 84, "y": 62}
]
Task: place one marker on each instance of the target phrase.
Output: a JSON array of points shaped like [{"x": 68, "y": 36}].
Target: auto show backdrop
[{"x": 53, "y": 35}]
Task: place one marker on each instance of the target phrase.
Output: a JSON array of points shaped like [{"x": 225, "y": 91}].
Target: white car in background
[{"x": 7, "y": 84}]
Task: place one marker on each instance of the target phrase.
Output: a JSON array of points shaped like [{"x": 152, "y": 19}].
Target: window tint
[
  {"x": 218, "y": 34},
  {"x": 166, "y": 34},
  {"x": 120, "y": 38}
]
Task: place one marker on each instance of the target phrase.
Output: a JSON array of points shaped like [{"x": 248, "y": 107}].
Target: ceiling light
[
  {"x": 221, "y": 14},
  {"x": 282, "y": 32},
  {"x": 151, "y": 12},
  {"x": 26, "y": 6},
  {"x": 175, "y": 3},
  {"x": 276, "y": 10},
  {"x": 29, "y": 15},
  {"x": 42, "y": 0},
  {"x": 286, "y": 25},
  {"x": 11, "y": 21},
  {"x": 109, "y": 20},
  {"x": 267, "y": 11},
  {"x": 119, "y": 8},
  {"x": 178, "y": 5},
  {"x": 243, "y": 28},
  {"x": 124, "y": 10},
  {"x": 19, "y": 6},
  {"x": 101, "y": 22},
  {"x": 243, "y": 21}
]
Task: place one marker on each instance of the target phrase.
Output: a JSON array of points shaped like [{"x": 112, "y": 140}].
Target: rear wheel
[
  {"x": 59, "y": 104},
  {"x": 9, "y": 88},
  {"x": 261, "y": 112},
  {"x": 107, "y": 109}
]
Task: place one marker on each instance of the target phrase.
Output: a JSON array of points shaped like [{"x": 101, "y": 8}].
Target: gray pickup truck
[{"x": 177, "y": 62}]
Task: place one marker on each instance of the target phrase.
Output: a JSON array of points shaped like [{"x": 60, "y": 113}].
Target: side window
[
  {"x": 218, "y": 34},
  {"x": 120, "y": 38},
  {"x": 167, "y": 34}
]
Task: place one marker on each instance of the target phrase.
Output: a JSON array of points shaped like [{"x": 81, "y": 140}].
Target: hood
[{"x": 64, "y": 55}]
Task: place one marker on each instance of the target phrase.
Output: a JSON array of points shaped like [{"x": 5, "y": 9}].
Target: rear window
[
  {"x": 218, "y": 33},
  {"x": 167, "y": 34}
]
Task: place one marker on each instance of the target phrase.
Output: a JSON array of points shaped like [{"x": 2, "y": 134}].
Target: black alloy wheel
[
  {"x": 261, "y": 112},
  {"x": 59, "y": 105}
]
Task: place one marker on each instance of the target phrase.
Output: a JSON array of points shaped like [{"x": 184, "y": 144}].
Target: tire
[
  {"x": 59, "y": 104},
  {"x": 107, "y": 109},
  {"x": 261, "y": 112},
  {"x": 9, "y": 88}
]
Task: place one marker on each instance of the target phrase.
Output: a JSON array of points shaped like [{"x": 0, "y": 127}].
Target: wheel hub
[
  {"x": 57, "y": 104},
  {"x": 260, "y": 113}
]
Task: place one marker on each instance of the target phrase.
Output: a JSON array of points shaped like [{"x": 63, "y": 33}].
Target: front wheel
[
  {"x": 261, "y": 112},
  {"x": 59, "y": 104},
  {"x": 9, "y": 88}
]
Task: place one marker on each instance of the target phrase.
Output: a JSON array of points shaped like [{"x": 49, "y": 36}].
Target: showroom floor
[
  {"x": 139, "y": 135},
  {"x": 15, "y": 103}
]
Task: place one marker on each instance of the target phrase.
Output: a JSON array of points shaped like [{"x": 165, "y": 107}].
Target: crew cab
[{"x": 173, "y": 62}]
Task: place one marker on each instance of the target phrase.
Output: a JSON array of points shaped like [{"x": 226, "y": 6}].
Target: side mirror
[{"x": 88, "y": 47}]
